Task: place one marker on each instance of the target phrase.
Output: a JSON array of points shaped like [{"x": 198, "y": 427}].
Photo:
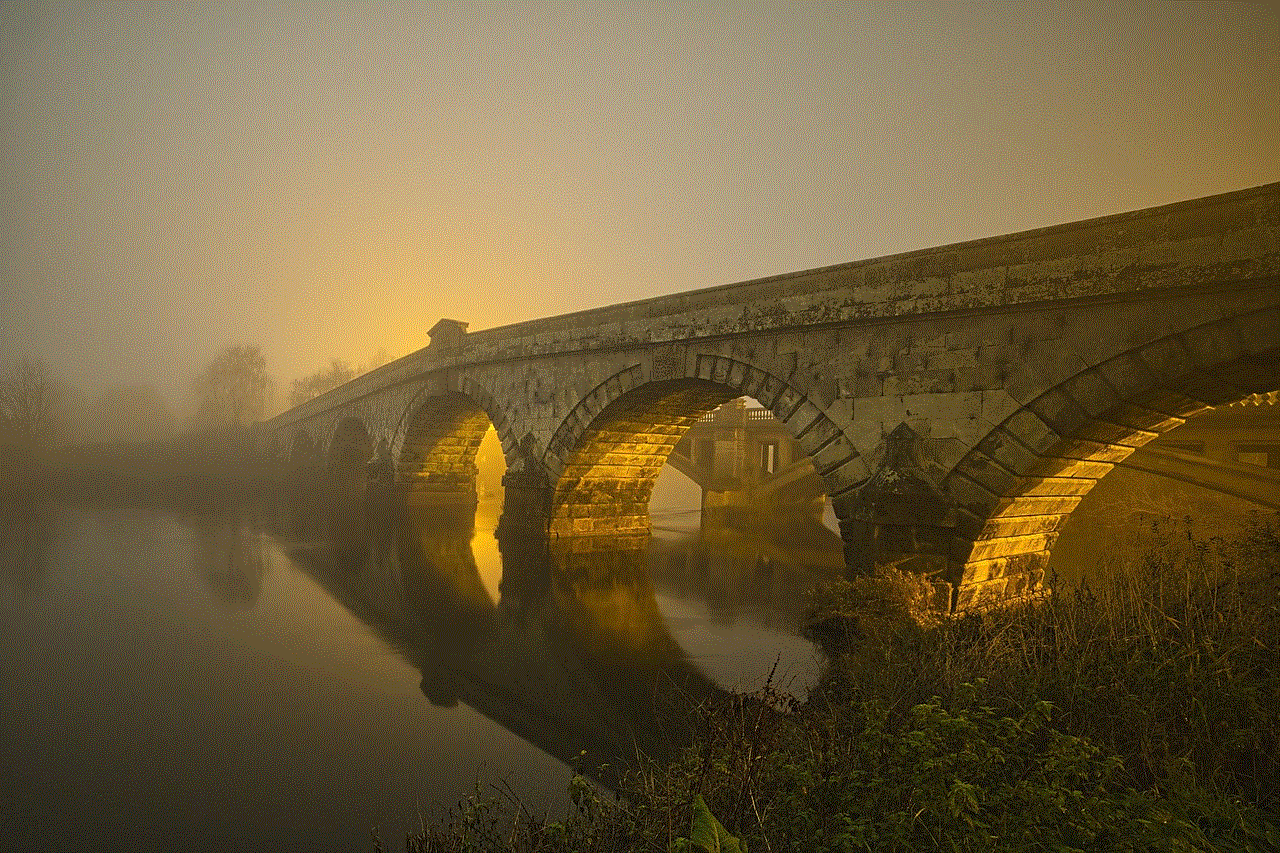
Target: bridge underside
[
  {"x": 957, "y": 402},
  {"x": 607, "y": 480},
  {"x": 1018, "y": 487},
  {"x": 438, "y": 461}
]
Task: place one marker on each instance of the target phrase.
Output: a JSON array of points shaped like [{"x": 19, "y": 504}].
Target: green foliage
[
  {"x": 1170, "y": 664},
  {"x": 707, "y": 834},
  {"x": 855, "y": 777}
]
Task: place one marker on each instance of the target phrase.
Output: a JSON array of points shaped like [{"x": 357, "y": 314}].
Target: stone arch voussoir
[
  {"x": 834, "y": 455},
  {"x": 1018, "y": 485},
  {"x": 504, "y": 421}
]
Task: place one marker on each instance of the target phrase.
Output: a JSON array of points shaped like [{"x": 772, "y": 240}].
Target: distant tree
[
  {"x": 338, "y": 372},
  {"x": 27, "y": 401},
  {"x": 234, "y": 389},
  {"x": 304, "y": 389}
]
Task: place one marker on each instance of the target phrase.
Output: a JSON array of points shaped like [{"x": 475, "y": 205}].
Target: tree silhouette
[
  {"x": 233, "y": 389},
  {"x": 27, "y": 401},
  {"x": 338, "y": 373}
]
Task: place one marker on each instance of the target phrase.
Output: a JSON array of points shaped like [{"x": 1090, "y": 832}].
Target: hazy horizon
[{"x": 328, "y": 182}]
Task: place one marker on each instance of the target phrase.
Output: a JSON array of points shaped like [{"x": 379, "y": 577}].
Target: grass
[{"x": 1138, "y": 713}]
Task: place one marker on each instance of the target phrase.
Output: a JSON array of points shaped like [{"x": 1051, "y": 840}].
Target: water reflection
[
  {"x": 288, "y": 674},
  {"x": 228, "y": 554},
  {"x": 574, "y": 656},
  {"x": 762, "y": 573}
]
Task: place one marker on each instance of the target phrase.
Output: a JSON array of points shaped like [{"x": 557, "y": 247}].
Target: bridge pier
[
  {"x": 900, "y": 518},
  {"x": 526, "y": 505}
]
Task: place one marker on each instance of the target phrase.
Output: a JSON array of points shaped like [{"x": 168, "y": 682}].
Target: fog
[{"x": 327, "y": 183}]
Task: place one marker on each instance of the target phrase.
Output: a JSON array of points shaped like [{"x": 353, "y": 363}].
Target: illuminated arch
[
  {"x": 1017, "y": 487},
  {"x": 605, "y": 457}
]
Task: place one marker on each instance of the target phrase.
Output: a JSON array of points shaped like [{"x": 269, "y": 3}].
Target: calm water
[{"x": 290, "y": 678}]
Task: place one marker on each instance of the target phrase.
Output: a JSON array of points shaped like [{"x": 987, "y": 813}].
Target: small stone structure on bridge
[{"x": 956, "y": 402}]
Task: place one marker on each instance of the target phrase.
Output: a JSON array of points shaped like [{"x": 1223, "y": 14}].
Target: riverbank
[{"x": 1139, "y": 713}]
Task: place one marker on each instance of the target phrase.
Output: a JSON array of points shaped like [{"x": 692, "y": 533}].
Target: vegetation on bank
[{"x": 1140, "y": 713}]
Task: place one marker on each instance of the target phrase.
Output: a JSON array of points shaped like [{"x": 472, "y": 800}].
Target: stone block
[
  {"x": 970, "y": 494},
  {"x": 1175, "y": 405},
  {"x": 1138, "y": 418},
  {"x": 1041, "y": 505},
  {"x": 1218, "y": 390},
  {"x": 1107, "y": 432},
  {"x": 802, "y": 419},
  {"x": 831, "y": 457},
  {"x": 846, "y": 476},
  {"x": 1037, "y": 371},
  {"x": 770, "y": 390},
  {"x": 1259, "y": 331},
  {"x": 1213, "y": 344},
  {"x": 721, "y": 369},
  {"x": 705, "y": 367},
  {"x": 752, "y": 382},
  {"x": 1092, "y": 392},
  {"x": 967, "y": 528},
  {"x": 1094, "y": 451},
  {"x": 985, "y": 549},
  {"x": 978, "y": 596},
  {"x": 786, "y": 403},
  {"x": 1166, "y": 359},
  {"x": 1019, "y": 526},
  {"x": 1063, "y": 414},
  {"x": 988, "y": 473},
  {"x": 1074, "y": 468},
  {"x": 820, "y": 431},
  {"x": 1011, "y": 454},
  {"x": 1055, "y": 486}
]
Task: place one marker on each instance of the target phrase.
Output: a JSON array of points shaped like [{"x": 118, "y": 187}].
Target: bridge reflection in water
[{"x": 572, "y": 653}]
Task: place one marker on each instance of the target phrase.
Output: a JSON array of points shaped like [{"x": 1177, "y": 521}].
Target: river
[{"x": 290, "y": 678}]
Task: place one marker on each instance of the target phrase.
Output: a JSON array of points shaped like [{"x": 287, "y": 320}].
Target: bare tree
[
  {"x": 338, "y": 373},
  {"x": 27, "y": 401},
  {"x": 233, "y": 390}
]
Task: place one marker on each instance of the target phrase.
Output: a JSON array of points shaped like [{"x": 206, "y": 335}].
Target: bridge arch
[
  {"x": 1017, "y": 487},
  {"x": 605, "y": 456},
  {"x": 441, "y": 434}
]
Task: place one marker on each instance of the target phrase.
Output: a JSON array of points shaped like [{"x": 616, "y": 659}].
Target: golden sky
[{"x": 328, "y": 181}]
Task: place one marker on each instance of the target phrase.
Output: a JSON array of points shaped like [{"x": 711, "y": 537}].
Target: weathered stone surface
[{"x": 1026, "y": 364}]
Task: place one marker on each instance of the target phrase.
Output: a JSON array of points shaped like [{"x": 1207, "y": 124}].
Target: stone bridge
[{"x": 957, "y": 402}]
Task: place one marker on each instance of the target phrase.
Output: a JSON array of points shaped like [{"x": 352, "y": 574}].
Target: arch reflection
[{"x": 573, "y": 656}]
